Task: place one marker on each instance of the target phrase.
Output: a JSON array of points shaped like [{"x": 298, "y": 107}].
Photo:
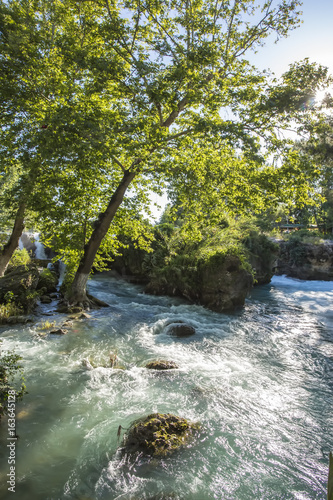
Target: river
[{"x": 259, "y": 381}]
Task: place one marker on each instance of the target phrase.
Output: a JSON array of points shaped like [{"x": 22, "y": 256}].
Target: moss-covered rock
[
  {"x": 159, "y": 434},
  {"x": 19, "y": 286},
  {"x": 161, "y": 365},
  {"x": 225, "y": 282},
  {"x": 263, "y": 253},
  {"x": 48, "y": 280},
  {"x": 307, "y": 261}
]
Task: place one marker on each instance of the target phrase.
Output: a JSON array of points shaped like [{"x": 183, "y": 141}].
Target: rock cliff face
[
  {"x": 20, "y": 285},
  {"x": 224, "y": 284},
  {"x": 220, "y": 283},
  {"x": 305, "y": 261}
]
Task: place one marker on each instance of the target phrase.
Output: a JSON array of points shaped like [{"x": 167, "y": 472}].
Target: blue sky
[{"x": 313, "y": 39}]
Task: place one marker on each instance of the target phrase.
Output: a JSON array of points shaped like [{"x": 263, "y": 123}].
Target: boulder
[
  {"x": 161, "y": 365},
  {"x": 159, "y": 434},
  {"x": 225, "y": 283},
  {"x": 219, "y": 282},
  {"x": 305, "y": 261},
  {"x": 48, "y": 280},
  {"x": 180, "y": 330},
  {"x": 262, "y": 257},
  {"x": 45, "y": 299},
  {"x": 13, "y": 320},
  {"x": 19, "y": 286}
]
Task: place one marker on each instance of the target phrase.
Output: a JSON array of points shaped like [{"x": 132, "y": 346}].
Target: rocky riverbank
[{"x": 305, "y": 261}]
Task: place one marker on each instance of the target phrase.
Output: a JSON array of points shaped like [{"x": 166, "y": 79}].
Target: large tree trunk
[
  {"x": 78, "y": 293},
  {"x": 8, "y": 250}
]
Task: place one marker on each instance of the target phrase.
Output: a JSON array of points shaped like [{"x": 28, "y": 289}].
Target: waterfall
[{"x": 40, "y": 251}]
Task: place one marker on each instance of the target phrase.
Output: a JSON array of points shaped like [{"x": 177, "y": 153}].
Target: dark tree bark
[
  {"x": 9, "y": 248},
  {"x": 78, "y": 292}
]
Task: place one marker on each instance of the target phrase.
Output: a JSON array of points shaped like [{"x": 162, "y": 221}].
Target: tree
[
  {"x": 184, "y": 63},
  {"x": 137, "y": 81}
]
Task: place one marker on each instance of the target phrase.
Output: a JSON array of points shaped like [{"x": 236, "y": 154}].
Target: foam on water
[{"x": 259, "y": 381}]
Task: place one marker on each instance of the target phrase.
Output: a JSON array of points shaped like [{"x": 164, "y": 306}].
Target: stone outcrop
[
  {"x": 48, "y": 281},
  {"x": 159, "y": 434},
  {"x": 224, "y": 283},
  {"x": 19, "y": 285},
  {"x": 220, "y": 283},
  {"x": 262, "y": 258},
  {"x": 305, "y": 261}
]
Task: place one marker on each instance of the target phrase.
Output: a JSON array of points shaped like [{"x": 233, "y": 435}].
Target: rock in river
[
  {"x": 159, "y": 434},
  {"x": 180, "y": 330},
  {"x": 161, "y": 365}
]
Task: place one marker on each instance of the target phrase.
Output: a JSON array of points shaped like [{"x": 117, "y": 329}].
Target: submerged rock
[
  {"x": 161, "y": 365},
  {"x": 180, "y": 330},
  {"x": 159, "y": 434},
  {"x": 58, "y": 331}
]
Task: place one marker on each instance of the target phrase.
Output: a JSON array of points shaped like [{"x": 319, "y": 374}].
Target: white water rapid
[{"x": 260, "y": 382}]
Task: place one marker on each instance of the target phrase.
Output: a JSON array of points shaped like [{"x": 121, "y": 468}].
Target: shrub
[
  {"x": 20, "y": 258},
  {"x": 47, "y": 280},
  {"x": 11, "y": 379},
  {"x": 9, "y": 308}
]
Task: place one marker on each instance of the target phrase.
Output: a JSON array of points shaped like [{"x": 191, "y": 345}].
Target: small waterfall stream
[
  {"x": 260, "y": 382},
  {"x": 40, "y": 250}
]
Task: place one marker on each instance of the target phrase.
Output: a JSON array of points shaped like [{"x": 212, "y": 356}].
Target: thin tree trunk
[
  {"x": 78, "y": 293},
  {"x": 8, "y": 250}
]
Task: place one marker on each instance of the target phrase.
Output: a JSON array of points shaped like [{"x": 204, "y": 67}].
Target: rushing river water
[{"x": 260, "y": 382}]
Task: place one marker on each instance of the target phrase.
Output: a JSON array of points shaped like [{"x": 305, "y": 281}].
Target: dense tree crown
[{"x": 103, "y": 102}]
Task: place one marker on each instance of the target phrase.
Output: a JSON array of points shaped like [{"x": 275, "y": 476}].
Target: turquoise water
[{"x": 259, "y": 381}]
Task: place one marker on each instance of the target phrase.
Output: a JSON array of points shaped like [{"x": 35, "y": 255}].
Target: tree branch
[{"x": 118, "y": 163}]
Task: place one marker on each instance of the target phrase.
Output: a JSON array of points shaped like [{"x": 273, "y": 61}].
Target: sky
[{"x": 313, "y": 39}]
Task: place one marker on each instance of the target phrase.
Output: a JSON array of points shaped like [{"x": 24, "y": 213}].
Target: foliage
[
  {"x": 180, "y": 257},
  {"x": 306, "y": 236},
  {"x": 47, "y": 281},
  {"x": 46, "y": 325},
  {"x": 319, "y": 147},
  {"x": 11, "y": 379},
  {"x": 20, "y": 257},
  {"x": 8, "y": 310},
  {"x": 97, "y": 92}
]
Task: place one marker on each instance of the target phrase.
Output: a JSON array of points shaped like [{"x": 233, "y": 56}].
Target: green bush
[
  {"x": 11, "y": 380},
  {"x": 306, "y": 236},
  {"x": 20, "y": 258},
  {"x": 9, "y": 308},
  {"x": 180, "y": 255},
  {"x": 47, "y": 280}
]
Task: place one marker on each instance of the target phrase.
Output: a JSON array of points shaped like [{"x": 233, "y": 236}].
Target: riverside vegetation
[{"x": 104, "y": 103}]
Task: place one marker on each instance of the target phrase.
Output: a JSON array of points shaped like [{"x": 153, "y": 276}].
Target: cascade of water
[
  {"x": 40, "y": 251},
  {"x": 62, "y": 271}
]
